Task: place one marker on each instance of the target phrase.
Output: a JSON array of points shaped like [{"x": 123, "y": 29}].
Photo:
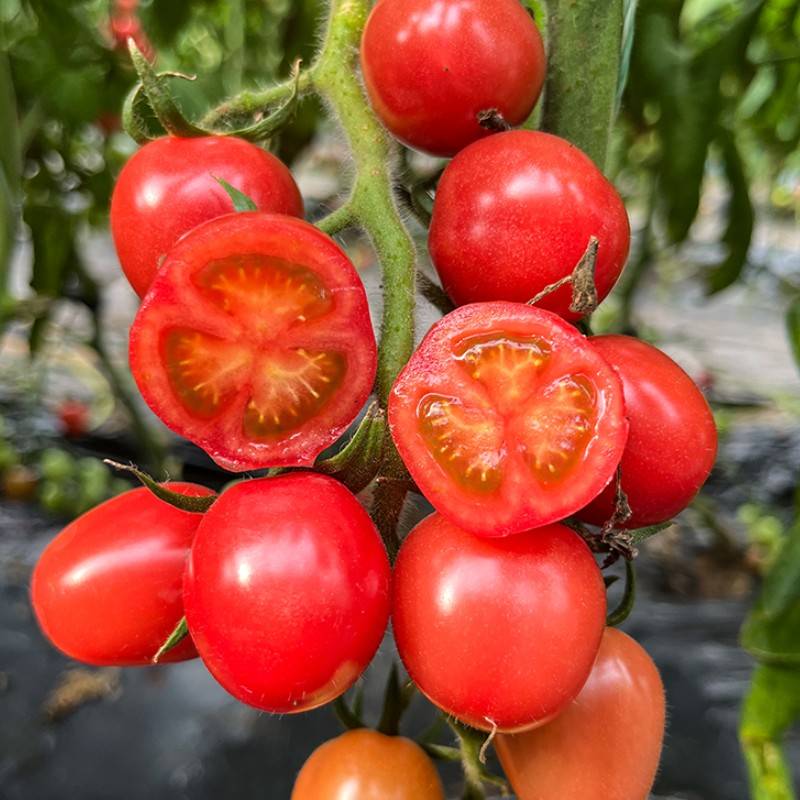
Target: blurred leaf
[
  {"x": 739, "y": 230},
  {"x": 793, "y": 328},
  {"x": 629, "y": 26}
]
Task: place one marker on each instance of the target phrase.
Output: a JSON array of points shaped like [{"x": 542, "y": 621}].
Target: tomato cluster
[{"x": 254, "y": 341}]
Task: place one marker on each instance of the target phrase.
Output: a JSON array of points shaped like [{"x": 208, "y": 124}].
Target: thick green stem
[{"x": 584, "y": 42}]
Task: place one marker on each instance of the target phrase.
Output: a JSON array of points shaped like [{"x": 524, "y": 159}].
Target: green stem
[{"x": 584, "y": 42}]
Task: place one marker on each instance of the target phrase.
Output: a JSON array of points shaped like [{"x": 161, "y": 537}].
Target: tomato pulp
[
  {"x": 287, "y": 591},
  {"x": 497, "y": 631},
  {"x": 672, "y": 444},
  {"x": 108, "y": 589},
  {"x": 606, "y": 745},
  {"x": 433, "y": 67},
  {"x": 366, "y": 765},
  {"x": 169, "y": 186},
  {"x": 507, "y": 419},
  {"x": 515, "y": 212},
  {"x": 255, "y": 341}
]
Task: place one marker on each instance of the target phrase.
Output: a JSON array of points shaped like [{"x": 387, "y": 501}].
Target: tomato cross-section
[
  {"x": 507, "y": 418},
  {"x": 255, "y": 342}
]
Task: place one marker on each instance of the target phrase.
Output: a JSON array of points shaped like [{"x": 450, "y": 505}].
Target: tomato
[
  {"x": 255, "y": 341},
  {"x": 168, "y": 187},
  {"x": 366, "y": 765},
  {"x": 74, "y": 418},
  {"x": 514, "y": 213},
  {"x": 19, "y": 482},
  {"x": 606, "y": 745},
  {"x": 673, "y": 439},
  {"x": 287, "y": 591},
  {"x": 499, "y": 631},
  {"x": 107, "y": 589},
  {"x": 431, "y": 67},
  {"x": 507, "y": 419}
]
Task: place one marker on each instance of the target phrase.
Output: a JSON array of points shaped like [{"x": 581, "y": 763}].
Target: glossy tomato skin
[
  {"x": 507, "y": 419},
  {"x": 672, "y": 444},
  {"x": 500, "y": 631},
  {"x": 235, "y": 368},
  {"x": 287, "y": 591},
  {"x": 606, "y": 745},
  {"x": 432, "y": 66},
  {"x": 367, "y": 765},
  {"x": 168, "y": 187},
  {"x": 514, "y": 213},
  {"x": 108, "y": 589}
]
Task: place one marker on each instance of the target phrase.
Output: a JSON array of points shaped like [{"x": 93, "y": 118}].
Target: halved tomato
[
  {"x": 507, "y": 418},
  {"x": 255, "y": 342}
]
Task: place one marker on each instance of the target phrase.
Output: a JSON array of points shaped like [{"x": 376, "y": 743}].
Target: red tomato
[
  {"x": 606, "y": 745},
  {"x": 107, "y": 589},
  {"x": 366, "y": 765},
  {"x": 432, "y": 66},
  {"x": 673, "y": 439},
  {"x": 255, "y": 341},
  {"x": 514, "y": 213},
  {"x": 507, "y": 418},
  {"x": 74, "y": 418},
  {"x": 287, "y": 591},
  {"x": 168, "y": 187},
  {"x": 499, "y": 631}
]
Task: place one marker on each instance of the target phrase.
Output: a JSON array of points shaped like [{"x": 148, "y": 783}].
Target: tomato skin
[
  {"x": 520, "y": 501},
  {"x": 168, "y": 187},
  {"x": 672, "y": 444},
  {"x": 606, "y": 745},
  {"x": 504, "y": 630},
  {"x": 107, "y": 589},
  {"x": 514, "y": 213},
  {"x": 287, "y": 591},
  {"x": 368, "y": 765},
  {"x": 174, "y": 301},
  {"x": 431, "y": 66}
]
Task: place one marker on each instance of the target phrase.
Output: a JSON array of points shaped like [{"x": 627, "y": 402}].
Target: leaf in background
[
  {"x": 771, "y": 631},
  {"x": 10, "y": 170},
  {"x": 793, "y": 329},
  {"x": 629, "y": 26},
  {"x": 739, "y": 230}
]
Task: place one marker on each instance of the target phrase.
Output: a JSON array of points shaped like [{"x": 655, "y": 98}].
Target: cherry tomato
[
  {"x": 107, "y": 589},
  {"x": 19, "y": 482},
  {"x": 507, "y": 419},
  {"x": 499, "y": 631},
  {"x": 255, "y": 341},
  {"x": 433, "y": 67},
  {"x": 74, "y": 418},
  {"x": 607, "y": 743},
  {"x": 168, "y": 187},
  {"x": 514, "y": 213},
  {"x": 673, "y": 439},
  {"x": 366, "y": 765},
  {"x": 287, "y": 591}
]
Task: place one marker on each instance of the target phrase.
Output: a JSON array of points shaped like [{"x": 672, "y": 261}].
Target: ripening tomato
[
  {"x": 107, "y": 589},
  {"x": 499, "y": 631},
  {"x": 432, "y": 68},
  {"x": 255, "y": 341},
  {"x": 169, "y": 186},
  {"x": 514, "y": 213},
  {"x": 287, "y": 591},
  {"x": 366, "y": 765},
  {"x": 507, "y": 419},
  {"x": 74, "y": 418},
  {"x": 606, "y": 745},
  {"x": 673, "y": 439}
]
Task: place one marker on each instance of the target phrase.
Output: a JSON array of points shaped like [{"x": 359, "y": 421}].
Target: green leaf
[
  {"x": 241, "y": 202},
  {"x": 639, "y": 535},
  {"x": 793, "y": 329},
  {"x": 179, "y": 633},
  {"x": 628, "y": 28}
]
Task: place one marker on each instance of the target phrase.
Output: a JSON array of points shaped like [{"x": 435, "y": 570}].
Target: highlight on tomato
[
  {"x": 436, "y": 69},
  {"x": 107, "y": 590},
  {"x": 366, "y": 765},
  {"x": 497, "y": 632},
  {"x": 672, "y": 444},
  {"x": 507, "y": 418},
  {"x": 606, "y": 745},
  {"x": 515, "y": 212},
  {"x": 255, "y": 341},
  {"x": 287, "y": 591},
  {"x": 170, "y": 186}
]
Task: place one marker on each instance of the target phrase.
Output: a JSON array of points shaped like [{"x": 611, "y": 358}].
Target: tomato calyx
[
  {"x": 492, "y": 119},
  {"x": 179, "y": 633}
]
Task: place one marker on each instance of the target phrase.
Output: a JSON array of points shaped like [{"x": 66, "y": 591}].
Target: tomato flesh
[
  {"x": 255, "y": 341},
  {"x": 507, "y": 419}
]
